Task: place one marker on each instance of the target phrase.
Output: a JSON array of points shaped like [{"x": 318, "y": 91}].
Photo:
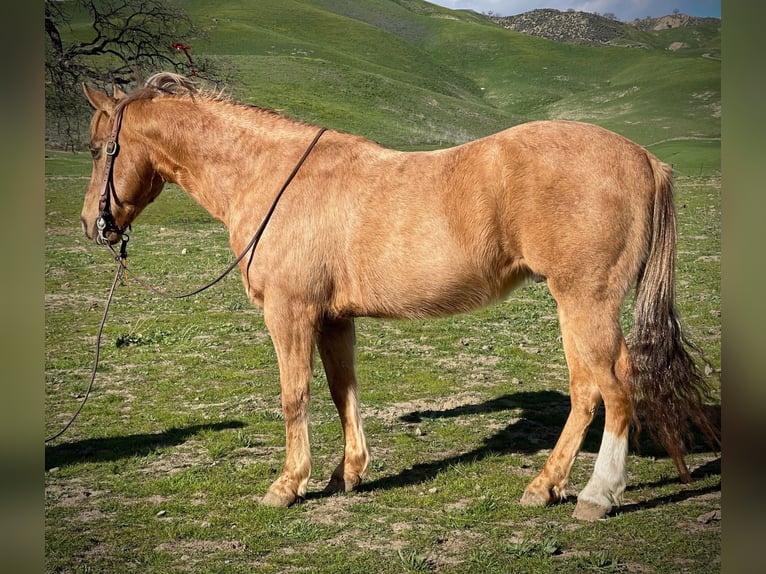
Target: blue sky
[{"x": 625, "y": 10}]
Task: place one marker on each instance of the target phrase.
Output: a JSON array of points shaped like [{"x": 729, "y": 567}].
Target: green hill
[{"x": 411, "y": 74}]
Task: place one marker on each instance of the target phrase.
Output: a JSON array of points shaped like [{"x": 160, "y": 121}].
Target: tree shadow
[
  {"x": 115, "y": 448},
  {"x": 536, "y": 428}
]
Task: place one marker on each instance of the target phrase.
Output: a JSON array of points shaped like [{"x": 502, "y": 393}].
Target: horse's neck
[{"x": 229, "y": 157}]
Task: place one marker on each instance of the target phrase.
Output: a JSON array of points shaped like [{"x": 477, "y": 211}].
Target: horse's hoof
[
  {"x": 278, "y": 500},
  {"x": 590, "y": 511},
  {"x": 341, "y": 485},
  {"x": 530, "y": 498}
]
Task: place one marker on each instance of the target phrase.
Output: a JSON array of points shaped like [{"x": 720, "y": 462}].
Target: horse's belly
[{"x": 409, "y": 292}]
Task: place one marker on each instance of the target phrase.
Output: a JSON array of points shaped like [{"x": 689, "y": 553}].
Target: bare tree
[{"x": 105, "y": 42}]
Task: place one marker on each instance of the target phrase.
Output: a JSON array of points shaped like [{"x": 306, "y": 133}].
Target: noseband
[{"x": 105, "y": 222}]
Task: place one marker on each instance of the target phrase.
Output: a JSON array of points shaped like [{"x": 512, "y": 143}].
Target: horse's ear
[
  {"x": 99, "y": 100},
  {"x": 118, "y": 93}
]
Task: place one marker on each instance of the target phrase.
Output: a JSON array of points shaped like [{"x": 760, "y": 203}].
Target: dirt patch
[
  {"x": 92, "y": 515},
  {"x": 189, "y": 554},
  {"x": 174, "y": 461},
  {"x": 73, "y": 494},
  {"x": 328, "y": 511},
  {"x": 247, "y": 455},
  {"x": 453, "y": 547},
  {"x": 199, "y": 546},
  {"x": 378, "y": 543},
  {"x": 56, "y": 301},
  {"x": 458, "y": 505},
  {"x": 395, "y": 411}
]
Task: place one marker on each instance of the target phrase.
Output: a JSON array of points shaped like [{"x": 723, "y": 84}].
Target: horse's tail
[{"x": 668, "y": 390}]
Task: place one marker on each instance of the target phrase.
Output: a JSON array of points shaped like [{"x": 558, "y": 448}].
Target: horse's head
[{"x": 123, "y": 180}]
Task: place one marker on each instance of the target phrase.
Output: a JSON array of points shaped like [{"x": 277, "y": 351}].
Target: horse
[{"x": 364, "y": 230}]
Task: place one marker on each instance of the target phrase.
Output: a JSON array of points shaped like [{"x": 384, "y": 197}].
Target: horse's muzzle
[
  {"x": 99, "y": 233},
  {"x": 88, "y": 230}
]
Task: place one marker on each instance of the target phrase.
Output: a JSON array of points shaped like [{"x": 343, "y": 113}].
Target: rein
[
  {"x": 106, "y": 223},
  {"x": 249, "y": 248}
]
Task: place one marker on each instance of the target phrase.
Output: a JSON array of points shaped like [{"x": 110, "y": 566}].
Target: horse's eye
[{"x": 95, "y": 151}]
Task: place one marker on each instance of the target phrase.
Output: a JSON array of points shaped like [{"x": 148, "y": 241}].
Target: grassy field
[
  {"x": 163, "y": 470},
  {"x": 183, "y": 433}
]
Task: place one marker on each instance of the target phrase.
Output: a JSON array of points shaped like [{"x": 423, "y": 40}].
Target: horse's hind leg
[
  {"x": 292, "y": 328},
  {"x": 607, "y": 483},
  {"x": 336, "y": 347},
  {"x": 550, "y": 485},
  {"x": 597, "y": 360}
]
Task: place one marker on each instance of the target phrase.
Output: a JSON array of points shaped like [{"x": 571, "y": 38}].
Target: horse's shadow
[
  {"x": 536, "y": 428},
  {"x": 115, "y": 448},
  {"x": 543, "y": 414}
]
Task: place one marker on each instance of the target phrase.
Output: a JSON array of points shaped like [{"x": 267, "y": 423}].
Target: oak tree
[{"x": 110, "y": 42}]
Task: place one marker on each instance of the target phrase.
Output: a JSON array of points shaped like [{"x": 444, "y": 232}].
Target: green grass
[
  {"x": 184, "y": 430},
  {"x": 690, "y": 157}
]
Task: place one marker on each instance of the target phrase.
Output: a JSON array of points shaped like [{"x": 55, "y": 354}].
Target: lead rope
[
  {"x": 118, "y": 273},
  {"x": 122, "y": 268}
]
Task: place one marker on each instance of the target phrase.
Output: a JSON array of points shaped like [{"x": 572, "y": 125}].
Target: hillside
[
  {"x": 411, "y": 74},
  {"x": 672, "y": 21},
  {"x": 574, "y": 27},
  {"x": 674, "y": 32}
]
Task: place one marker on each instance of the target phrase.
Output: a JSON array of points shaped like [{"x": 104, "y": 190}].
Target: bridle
[{"x": 105, "y": 222}]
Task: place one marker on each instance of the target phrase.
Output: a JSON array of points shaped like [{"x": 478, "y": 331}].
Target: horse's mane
[
  {"x": 164, "y": 84},
  {"x": 170, "y": 84}
]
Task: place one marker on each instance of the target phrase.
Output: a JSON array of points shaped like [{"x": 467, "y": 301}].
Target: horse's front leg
[{"x": 292, "y": 328}]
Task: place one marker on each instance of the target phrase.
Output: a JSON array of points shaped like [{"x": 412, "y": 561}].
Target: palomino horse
[{"x": 368, "y": 231}]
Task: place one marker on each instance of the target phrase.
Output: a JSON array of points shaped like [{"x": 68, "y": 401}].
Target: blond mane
[
  {"x": 164, "y": 84},
  {"x": 170, "y": 84}
]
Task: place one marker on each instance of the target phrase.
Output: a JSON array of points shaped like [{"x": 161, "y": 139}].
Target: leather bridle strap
[
  {"x": 256, "y": 238},
  {"x": 105, "y": 222}
]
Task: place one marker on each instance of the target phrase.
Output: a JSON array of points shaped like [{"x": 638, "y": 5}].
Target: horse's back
[{"x": 432, "y": 233}]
